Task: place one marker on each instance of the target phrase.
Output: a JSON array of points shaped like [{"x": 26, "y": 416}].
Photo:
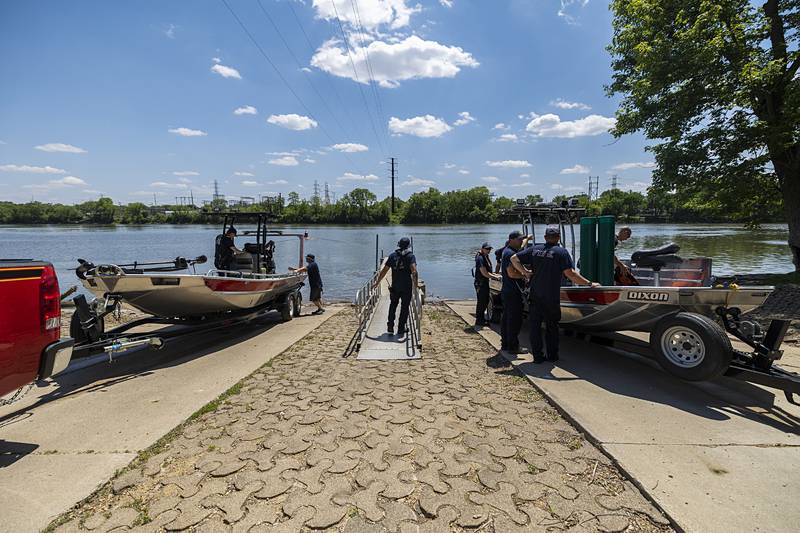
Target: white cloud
[
  {"x": 285, "y": 161},
  {"x": 508, "y": 138},
  {"x": 60, "y": 147},
  {"x": 628, "y": 166},
  {"x": 490, "y": 179},
  {"x": 170, "y": 31},
  {"x": 278, "y": 182},
  {"x": 424, "y": 126},
  {"x": 247, "y": 174},
  {"x": 371, "y": 13},
  {"x": 165, "y": 185},
  {"x": 640, "y": 186},
  {"x": 350, "y": 147},
  {"x": 449, "y": 165},
  {"x": 418, "y": 182},
  {"x": 349, "y": 176},
  {"x": 187, "y": 132},
  {"x": 31, "y": 169},
  {"x": 185, "y": 173},
  {"x": 309, "y": 160},
  {"x": 463, "y": 171},
  {"x": 216, "y": 60},
  {"x": 446, "y": 3},
  {"x": 184, "y": 180},
  {"x": 568, "y": 7},
  {"x": 250, "y": 183},
  {"x": 501, "y": 126},
  {"x": 393, "y": 62},
  {"x": 225, "y": 71},
  {"x": 577, "y": 169},
  {"x": 464, "y": 118},
  {"x": 525, "y": 175},
  {"x": 551, "y": 125},
  {"x": 245, "y": 110},
  {"x": 556, "y": 186},
  {"x": 293, "y": 121},
  {"x": 563, "y": 104},
  {"x": 509, "y": 163},
  {"x": 69, "y": 181},
  {"x": 523, "y": 184}
]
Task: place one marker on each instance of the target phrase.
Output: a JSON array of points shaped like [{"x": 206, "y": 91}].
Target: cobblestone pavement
[{"x": 316, "y": 441}]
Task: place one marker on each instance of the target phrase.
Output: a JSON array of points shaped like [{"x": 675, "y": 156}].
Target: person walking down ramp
[
  {"x": 403, "y": 265},
  {"x": 314, "y": 282}
]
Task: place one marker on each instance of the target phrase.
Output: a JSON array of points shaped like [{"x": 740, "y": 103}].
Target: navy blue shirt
[
  {"x": 400, "y": 263},
  {"x": 548, "y": 262},
  {"x": 482, "y": 261},
  {"x": 505, "y": 264},
  {"x": 314, "y": 279}
]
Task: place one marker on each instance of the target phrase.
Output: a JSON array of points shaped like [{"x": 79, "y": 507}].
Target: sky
[{"x": 151, "y": 100}]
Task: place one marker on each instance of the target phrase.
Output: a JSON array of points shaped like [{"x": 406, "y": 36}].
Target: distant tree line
[{"x": 361, "y": 206}]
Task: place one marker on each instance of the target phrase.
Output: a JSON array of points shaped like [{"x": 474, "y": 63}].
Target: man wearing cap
[
  {"x": 483, "y": 273},
  {"x": 227, "y": 250},
  {"x": 314, "y": 282},
  {"x": 511, "y": 294},
  {"x": 403, "y": 265},
  {"x": 548, "y": 263}
]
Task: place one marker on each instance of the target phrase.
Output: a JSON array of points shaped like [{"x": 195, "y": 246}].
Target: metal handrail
[
  {"x": 365, "y": 301},
  {"x": 415, "y": 314}
]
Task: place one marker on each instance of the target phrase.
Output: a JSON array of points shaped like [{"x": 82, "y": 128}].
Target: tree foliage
[{"x": 715, "y": 84}]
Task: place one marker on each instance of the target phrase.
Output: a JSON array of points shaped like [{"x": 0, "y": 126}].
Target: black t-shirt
[
  {"x": 548, "y": 262},
  {"x": 505, "y": 264},
  {"x": 482, "y": 261},
  {"x": 314, "y": 279},
  {"x": 400, "y": 263},
  {"x": 225, "y": 245}
]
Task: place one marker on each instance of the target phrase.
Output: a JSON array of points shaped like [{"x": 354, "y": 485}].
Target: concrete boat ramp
[
  {"x": 64, "y": 440},
  {"x": 716, "y": 457}
]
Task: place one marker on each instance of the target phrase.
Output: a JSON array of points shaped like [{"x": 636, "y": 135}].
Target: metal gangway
[{"x": 371, "y": 340}]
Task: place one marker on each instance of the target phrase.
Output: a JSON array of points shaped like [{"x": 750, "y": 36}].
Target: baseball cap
[
  {"x": 486, "y": 245},
  {"x": 514, "y": 235},
  {"x": 552, "y": 230},
  {"x": 311, "y": 256}
]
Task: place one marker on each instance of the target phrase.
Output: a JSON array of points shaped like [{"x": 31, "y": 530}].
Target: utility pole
[{"x": 393, "y": 177}]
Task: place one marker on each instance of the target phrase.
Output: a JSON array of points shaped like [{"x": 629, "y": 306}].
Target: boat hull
[
  {"x": 193, "y": 295},
  {"x": 638, "y": 308}
]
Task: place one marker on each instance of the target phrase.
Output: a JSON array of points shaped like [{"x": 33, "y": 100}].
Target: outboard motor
[{"x": 656, "y": 259}]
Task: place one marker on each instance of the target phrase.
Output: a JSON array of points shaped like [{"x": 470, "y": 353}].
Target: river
[{"x": 346, "y": 254}]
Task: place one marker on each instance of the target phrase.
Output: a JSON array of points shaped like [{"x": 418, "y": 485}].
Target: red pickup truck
[{"x": 31, "y": 347}]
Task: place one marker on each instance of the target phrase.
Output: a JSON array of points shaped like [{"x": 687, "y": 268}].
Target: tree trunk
[{"x": 791, "y": 203}]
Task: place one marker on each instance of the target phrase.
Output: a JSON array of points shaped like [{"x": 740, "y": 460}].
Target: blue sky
[{"x": 136, "y": 98}]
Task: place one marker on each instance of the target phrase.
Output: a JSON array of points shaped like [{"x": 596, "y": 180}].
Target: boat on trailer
[
  {"x": 173, "y": 292},
  {"x": 677, "y": 301}
]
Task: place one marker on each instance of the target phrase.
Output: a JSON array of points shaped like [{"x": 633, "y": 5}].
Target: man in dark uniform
[
  {"x": 483, "y": 273},
  {"x": 227, "y": 249},
  {"x": 511, "y": 294},
  {"x": 403, "y": 265},
  {"x": 549, "y": 262},
  {"x": 314, "y": 282}
]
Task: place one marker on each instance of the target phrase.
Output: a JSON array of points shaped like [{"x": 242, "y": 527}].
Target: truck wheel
[
  {"x": 298, "y": 304},
  {"x": 287, "y": 308},
  {"x": 80, "y": 335},
  {"x": 493, "y": 311},
  {"x": 691, "y": 347}
]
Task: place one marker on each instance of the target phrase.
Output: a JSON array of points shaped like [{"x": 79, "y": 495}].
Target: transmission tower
[
  {"x": 614, "y": 182},
  {"x": 315, "y": 197},
  {"x": 393, "y": 176},
  {"x": 327, "y": 194},
  {"x": 217, "y": 195},
  {"x": 594, "y": 187}
]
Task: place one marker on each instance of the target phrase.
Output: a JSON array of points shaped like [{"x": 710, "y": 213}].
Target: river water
[{"x": 346, "y": 254}]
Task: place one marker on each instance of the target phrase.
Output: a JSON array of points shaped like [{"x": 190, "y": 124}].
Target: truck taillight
[{"x": 49, "y": 300}]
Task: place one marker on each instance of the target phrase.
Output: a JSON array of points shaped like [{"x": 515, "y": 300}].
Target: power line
[
  {"x": 370, "y": 72},
  {"x": 300, "y": 67},
  {"x": 358, "y": 81},
  {"x": 282, "y": 78}
]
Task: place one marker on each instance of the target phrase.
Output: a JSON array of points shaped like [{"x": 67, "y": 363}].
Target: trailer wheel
[
  {"x": 287, "y": 308},
  {"x": 298, "y": 304},
  {"x": 80, "y": 335},
  {"x": 493, "y": 311},
  {"x": 691, "y": 347}
]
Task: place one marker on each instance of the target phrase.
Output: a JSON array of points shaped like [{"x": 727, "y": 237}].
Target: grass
[{"x": 139, "y": 507}]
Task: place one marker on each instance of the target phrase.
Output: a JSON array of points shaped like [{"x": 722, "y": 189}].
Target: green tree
[
  {"x": 716, "y": 84},
  {"x": 135, "y": 213}
]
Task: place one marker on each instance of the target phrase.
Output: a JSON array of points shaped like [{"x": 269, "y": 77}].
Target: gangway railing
[
  {"x": 415, "y": 319},
  {"x": 365, "y": 301}
]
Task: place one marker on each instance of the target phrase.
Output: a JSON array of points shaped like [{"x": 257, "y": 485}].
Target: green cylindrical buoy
[
  {"x": 605, "y": 250},
  {"x": 588, "y": 260}
]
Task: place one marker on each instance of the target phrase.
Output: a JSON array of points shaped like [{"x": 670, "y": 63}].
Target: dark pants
[
  {"x": 512, "y": 318},
  {"x": 550, "y": 314},
  {"x": 482, "y": 288},
  {"x": 404, "y": 298}
]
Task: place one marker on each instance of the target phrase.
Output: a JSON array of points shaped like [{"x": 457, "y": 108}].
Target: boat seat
[
  {"x": 667, "y": 249},
  {"x": 656, "y": 262}
]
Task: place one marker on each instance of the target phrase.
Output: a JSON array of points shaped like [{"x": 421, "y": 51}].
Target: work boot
[
  {"x": 552, "y": 358},
  {"x": 390, "y": 329},
  {"x": 539, "y": 359}
]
